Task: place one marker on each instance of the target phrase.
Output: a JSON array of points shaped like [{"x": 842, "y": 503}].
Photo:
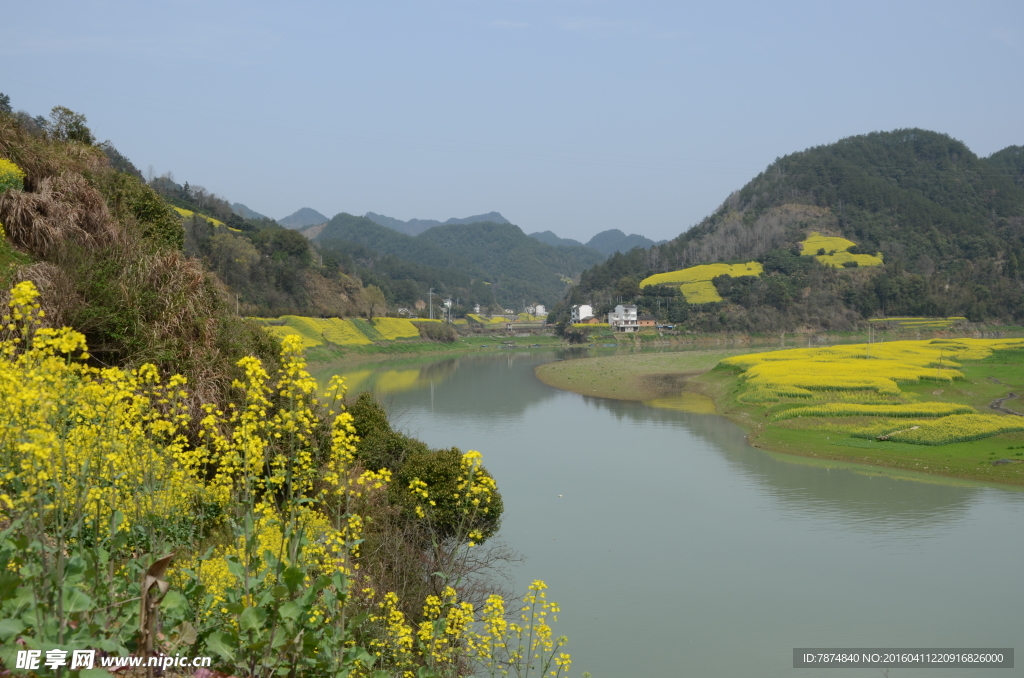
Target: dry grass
[{"x": 101, "y": 271}]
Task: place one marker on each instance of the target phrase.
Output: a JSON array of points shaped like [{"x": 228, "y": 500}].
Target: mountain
[
  {"x": 949, "y": 226},
  {"x": 605, "y": 242},
  {"x": 613, "y": 240},
  {"x": 493, "y": 261},
  {"x": 304, "y": 217},
  {"x": 417, "y": 226},
  {"x": 246, "y": 213},
  {"x": 551, "y": 239}
]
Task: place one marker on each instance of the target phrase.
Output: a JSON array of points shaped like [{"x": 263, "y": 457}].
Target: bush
[{"x": 442, "y": 332}]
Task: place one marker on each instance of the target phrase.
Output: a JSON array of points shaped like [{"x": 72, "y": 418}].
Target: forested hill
[
  {"x": 417, "y": 226},
  {"x": 949, "y": 225},
  {"x": 461, "y": 260}
]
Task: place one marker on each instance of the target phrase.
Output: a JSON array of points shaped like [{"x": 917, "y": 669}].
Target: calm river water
[{"x": 676, "y": 549}]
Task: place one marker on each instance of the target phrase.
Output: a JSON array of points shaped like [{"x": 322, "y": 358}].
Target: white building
[
  {"x": 623, "y": 318},
  {"x": 581, "y": 312},
  {"x": 539, "y": 310}
]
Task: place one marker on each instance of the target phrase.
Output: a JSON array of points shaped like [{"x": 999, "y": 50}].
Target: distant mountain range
[
  {"x": 605, "y": 242},
  {"x": 480, "y": 261},
  {"x": 306, "y": 216},
  {"x": 417, "y": 226}
]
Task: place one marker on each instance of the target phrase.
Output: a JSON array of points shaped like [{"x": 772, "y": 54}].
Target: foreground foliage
[{"x": 118, "y": 534}]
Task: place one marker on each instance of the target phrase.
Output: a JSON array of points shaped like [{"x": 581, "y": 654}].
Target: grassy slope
[
  {"x": 633, "y": 377},
  {"x": 646, "y": 376}
]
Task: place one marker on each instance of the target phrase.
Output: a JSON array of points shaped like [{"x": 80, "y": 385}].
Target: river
[{"x": 674, "y": 548}]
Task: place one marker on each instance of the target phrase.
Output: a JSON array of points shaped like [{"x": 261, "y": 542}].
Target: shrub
[{"x": 442, "y": 332}]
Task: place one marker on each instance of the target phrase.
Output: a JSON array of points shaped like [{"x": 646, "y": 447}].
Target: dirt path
[{"x": 997, "y": 404}]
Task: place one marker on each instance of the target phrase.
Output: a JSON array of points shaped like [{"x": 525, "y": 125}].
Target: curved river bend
[{"x": 676, "y": 549}]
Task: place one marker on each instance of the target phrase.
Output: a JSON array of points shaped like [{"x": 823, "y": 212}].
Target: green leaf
[
  {"x": 235, "y": 568},
  {"x": 174, "y": 603},
  {"x": 252, "y": 619},
  {"x": 290, "y": 610},
  {"x": 10, "y": 627},
  {"x": 75, "y": 600},
  {"x": 292, "y": 578},
  {"x": 8, "y": 584},
  {"x": 221, "y": 644}
]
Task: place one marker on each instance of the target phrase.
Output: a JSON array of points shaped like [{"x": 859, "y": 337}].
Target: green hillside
[
  {"x": 483, "y": 262},
  {"x": 948, "y": 225}
]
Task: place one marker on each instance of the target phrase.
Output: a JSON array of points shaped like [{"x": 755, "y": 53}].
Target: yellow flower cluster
[
  {"x": 450, "y": 631},
  {"x": 11, "y": 176},
  {"x": 56, "y": 417},
  {"x": 695, "y": 282},
  {"x": 836, "y": 251}
]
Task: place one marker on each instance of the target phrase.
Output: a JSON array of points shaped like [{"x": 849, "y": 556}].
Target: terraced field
[
  {"x": 340, "y": 332},
  {"x": 875, "y": 391}
]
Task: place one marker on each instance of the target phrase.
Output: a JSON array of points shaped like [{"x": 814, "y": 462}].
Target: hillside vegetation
[
  {"x": 948, "y": 225},
  {"x": 495, "y": 265},
  {"x": 105, "y": 252}
]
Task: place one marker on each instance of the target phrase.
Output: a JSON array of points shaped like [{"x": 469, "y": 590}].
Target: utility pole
[{"x": 430, "y": 301}]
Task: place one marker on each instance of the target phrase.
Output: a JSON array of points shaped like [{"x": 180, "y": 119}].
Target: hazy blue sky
[{"x": 572, "y": 116}]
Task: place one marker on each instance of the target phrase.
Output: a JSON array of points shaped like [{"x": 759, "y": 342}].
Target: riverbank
[{"x": 664, "y": 379}]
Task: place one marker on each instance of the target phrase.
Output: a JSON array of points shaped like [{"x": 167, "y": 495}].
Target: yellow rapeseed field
[
  {"x": 486, "y": 321},
  {"x": 695, "y": 281},
  {"x": 341, "y": 332},
  {"x": 396, "y": 328},
  {"x": 836, "y": 251},
  {"x": 873, "y": 373}
]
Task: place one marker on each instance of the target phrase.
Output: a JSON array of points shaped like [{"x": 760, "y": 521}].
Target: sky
[{"x": 573, "y": 116}]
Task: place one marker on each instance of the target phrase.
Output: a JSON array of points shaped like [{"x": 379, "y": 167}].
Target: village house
[
  {"x": 646, "y": 321},
  {"x": 623, "y": 318},
  {"x": 581, "y": 312}
]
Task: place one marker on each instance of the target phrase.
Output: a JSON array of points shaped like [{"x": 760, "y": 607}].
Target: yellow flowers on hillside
[
  {"x": 396, "y": 328},
  {"x": 189, "y": 213},
  {"x": 832, "y": 251},
  {"x": 695, "y": 282},
  {"x": 872, "y": 374},
  {"x": 11, "y": 176},
  {"x": 486, "y": 321}
]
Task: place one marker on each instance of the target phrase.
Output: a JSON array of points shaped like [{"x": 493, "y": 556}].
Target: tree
[
  {"x": 374, "y": 300},
  {"x": 66, "y": 125},
  {"x": 5, "y": 103}
]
